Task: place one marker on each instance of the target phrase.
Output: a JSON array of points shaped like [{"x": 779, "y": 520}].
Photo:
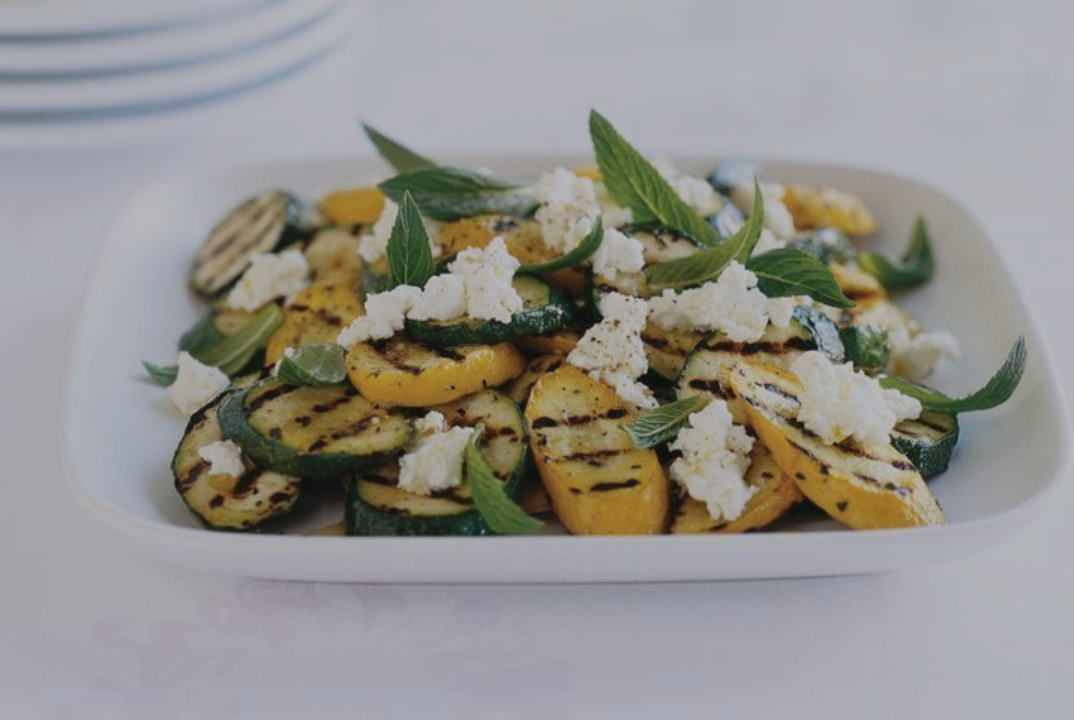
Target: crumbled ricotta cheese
[
  {"x": 568, "y": 208},
  {"x": 715, "y": 458},
  {"x": 731, "y": 305},
  {"x": 270, "y": 276},
  {"x": 618, "y": 253},
  {"x": 838, "y": 402},
  {"x": 224, "y": 458},
  {"x": 196, "y": 384},
  {"x": 777, "y": 217},
  {"x": 916, "y": 357},
  {"x": 612, "y": 351},
  {"x": 697, "y": 193},
  {"x": 434, "y": 458},
  {"x": 768, "y": 242},
  {"x": 442, "y": 298},
  {"x": 487, "y": 273},
  {"x": 385, "y": 315}
]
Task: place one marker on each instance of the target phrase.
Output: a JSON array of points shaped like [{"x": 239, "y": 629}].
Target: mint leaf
[
  {"x": 410, "y": 258},
  {"x": 913, "y": 269},
  {"x": 202, "y": 336},
  {"x": 634, "y": 183},
  {"x": 787, "y": 272},
  {"x": 161, "y": 374},
  {"x": 500, "y": 512},
  {"x": 652, "y": 427},
  {"x": 401, "y": 158},
  {"x": 706, "y": 265},
  {"x": 234, "y": 352},
  {"x": 449, "y": 193},
  {"x": 866, "y": 346},
  {"x": 995, "y": 392},
  {"x": 315, "y": 364},
  {"x": 585, "y": 249}
]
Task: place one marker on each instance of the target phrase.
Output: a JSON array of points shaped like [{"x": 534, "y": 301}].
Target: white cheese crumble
[
  {"x": 731, "y": 305},
  {"x": 487, "y": 273},
  {"x": 442, "y": 298},
  {"x": 618, "y": 253},
  {"x": 568, "y": 208},
  {"x": 693, "y": 191},
  {"x": 270, "y": 276},
  {"x": 838, "y": 402},
  {"x": 777, "y": 217},
  {"x": 196, "y": 384},
  {"x": 385, "y": 314},
  {"x": 434, "y": 458},
  {"x": 224, "y": 458},
  {"x": 612, "y": 351},
  {"x": 714, "y": 461}
]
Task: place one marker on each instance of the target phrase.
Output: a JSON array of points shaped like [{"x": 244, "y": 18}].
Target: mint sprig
[
  {"x": 634, "y": 183},
  {"x": 652, "y": 427},
  {"x": 585, "y": 249},
  {"x": 410, "y": 258},
  {"x": 318, "y": 364},
  {"x": 787, "y": 272},
  {"x": 400, "y": 157},
  {"x": 996, "y": 391},
  {"x": 499, "y": 511},
  {"x": 450, "y": 193},
  {"x": 914, "y": 268},
  {"x": 161, "y": 374},
  {"x": 706, "y": 265}
]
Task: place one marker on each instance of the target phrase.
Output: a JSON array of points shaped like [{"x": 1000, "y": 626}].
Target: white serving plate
[
  {"x": 49, "y": 20},
  {"x": 95, "y": 97},
  {"x": 82, "y": 57},
  {"x": 121, "y": 430}
]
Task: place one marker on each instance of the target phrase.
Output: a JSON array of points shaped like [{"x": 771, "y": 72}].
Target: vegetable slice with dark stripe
[
  {"x": 928, "y": 442},
  {"x": 261, "y": 224},
  {"x": 223, "y": 501},
  {"x": 310, "y": 432}
]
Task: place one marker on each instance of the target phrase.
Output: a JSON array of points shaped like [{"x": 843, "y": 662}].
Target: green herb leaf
[
  {"x": 787, "y": 272},
  {"x": 585, "y": 249},
  {"x": 634, "y": 183},
  {"x": 315, "y": 364},
  {"x": 202, "y": 336},
  {"x": 706, "y": 265},
  {"x": 652, "y": 427},
  {"x": 995, "y": 392},
  {"x": 410, "y": 258},
  {"x": 234, "y": 352},
  {"x": 823, "y": 331},
  {"x": 402, "y": 158},
  {"x": 913, "y": 269},
  {"x": 161, "y": 374},
  {"x": 866, "y": 346},
  {"x": 448, "y": 193},
  {"x": 500, "y": 512}
]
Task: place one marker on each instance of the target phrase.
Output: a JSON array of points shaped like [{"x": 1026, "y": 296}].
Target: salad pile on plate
[{"x": 623, "y": 347}]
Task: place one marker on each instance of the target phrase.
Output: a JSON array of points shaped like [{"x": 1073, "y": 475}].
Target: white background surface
[{"x": 975, "y": 97}]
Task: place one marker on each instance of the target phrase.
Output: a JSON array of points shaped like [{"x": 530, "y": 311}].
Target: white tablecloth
[{"x": 977, "y": 98}]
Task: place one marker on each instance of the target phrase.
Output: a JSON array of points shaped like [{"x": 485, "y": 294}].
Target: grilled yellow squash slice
[
  {"x": 776, "y": 494},
  {"x": 864, "y": 488},
  {"x": 817, "y": 207},
  {"x": 599, "y": 483},
  {"x": 353, "y": 206},
  {"x": 400, "y": 372},
  {"x": 317, "y": 314}
]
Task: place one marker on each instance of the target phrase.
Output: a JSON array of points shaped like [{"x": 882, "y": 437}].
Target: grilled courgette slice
[
  {"x": 310, "y": 432},
  {"x": 928, "y": 442},
  {"x": 222, "y": 501},
  {"x": 261, "y": 224},
  {"x": 864, "y": 488},
  {"x": 776, "y": 494},
  {"x": 400, "y": 372},
  {"x": 378, "y": 506},
  {"x": 544, "y": 310},
  {"x": 599, "y": 483}
]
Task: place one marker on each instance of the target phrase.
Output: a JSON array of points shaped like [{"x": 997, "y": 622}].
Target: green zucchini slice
[
  {"x": 928, "y": 442},
  {"x": 378, "y": 506},
  {"x": 222, "y": 501},
  {"x": 261, "y": 224},
  {"x": 316, "y": 433},
  {"x": 544, "y": 310}
]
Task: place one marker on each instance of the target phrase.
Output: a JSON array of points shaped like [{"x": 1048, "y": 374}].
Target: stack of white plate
[{"x": 68, "y": 66}]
